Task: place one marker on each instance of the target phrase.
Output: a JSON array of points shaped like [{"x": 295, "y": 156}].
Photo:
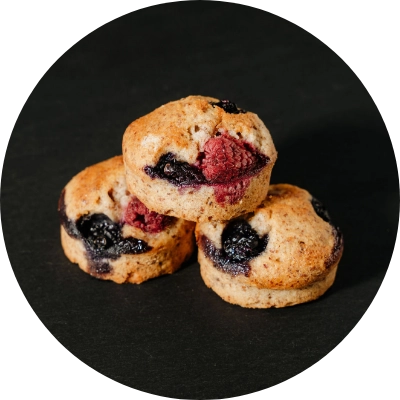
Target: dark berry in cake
[
  {"x": 179, "y": 173},
  {"x": 102, "y": 237},
  {"x": 220, "y": 259},
  {"x": 100, "y": 268},
  {"x": 228, "y": 106},
  {"x": 138, "y": 215},
  {"x": 320, "y": 209},
  {"x": 240, "y": 241},
  {"x": 240, "y": 244}
]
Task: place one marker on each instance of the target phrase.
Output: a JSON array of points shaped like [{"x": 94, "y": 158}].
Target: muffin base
[{"x": 249, "y": 296}]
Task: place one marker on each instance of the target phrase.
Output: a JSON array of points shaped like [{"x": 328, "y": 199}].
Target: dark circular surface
[{"x": 330, "y": 138}]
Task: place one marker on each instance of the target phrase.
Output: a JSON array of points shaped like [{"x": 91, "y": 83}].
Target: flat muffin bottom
[{"x": 225, "y": 286}]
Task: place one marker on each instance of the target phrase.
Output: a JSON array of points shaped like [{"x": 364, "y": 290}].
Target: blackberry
[
  {"x": 320, "y": 210},
  {"x": 220, "y": 259},
  {"x": 102, "y": 237},
  {"x": 179, "y": 173},
  {"x": 228, "y": 106},
  {"x": 241, "y": 242},
  {"x": 99, "y": 231},
  {"x": 100, "y": 268}
]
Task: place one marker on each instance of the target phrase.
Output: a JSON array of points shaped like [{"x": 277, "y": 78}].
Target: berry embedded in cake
[
  {"x": 228, "y": 106},
  {"x": 240, "y": 244},
  {"x": 226, "y": 158},
  {"x": 138, "y": 215},
  {"x": 320, "y": 210},
  {"x": 226, "y": 164},
  {"x": 178, "y": 173},
  {"x": 103, "y": 239},
  {"x": 101, "y": 236}
]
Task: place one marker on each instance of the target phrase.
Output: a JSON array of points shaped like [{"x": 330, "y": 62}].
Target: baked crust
[{"x": 182, "y": 128}]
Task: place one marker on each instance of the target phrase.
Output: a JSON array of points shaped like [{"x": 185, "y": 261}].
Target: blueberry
[
  {"x": 99, "y": 231},
  {"x": 220, "y": 259},
  {"x": 228, "y": 107},
  {"x": 241, "y": 242},
  {"x": 100, "y": 268},
  {"x": 320, "y": 209},
  {"x": 179, "y": 173},
  {"x": 103, "y": 239}
]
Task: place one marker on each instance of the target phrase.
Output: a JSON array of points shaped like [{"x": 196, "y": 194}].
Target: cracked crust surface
[
  {"x": 299, "y": 263},
  {"x": 183, "y": 127},
  {"x": 101, "y": 189}
]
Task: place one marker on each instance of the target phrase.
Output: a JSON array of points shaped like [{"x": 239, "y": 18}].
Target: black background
[{"x": 330, "y": 138}]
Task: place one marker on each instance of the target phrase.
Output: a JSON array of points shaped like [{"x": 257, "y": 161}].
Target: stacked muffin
[{"x": 206, "y": 161}]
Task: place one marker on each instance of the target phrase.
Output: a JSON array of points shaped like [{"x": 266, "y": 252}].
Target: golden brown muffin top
[{"x": 183, "y": 127}]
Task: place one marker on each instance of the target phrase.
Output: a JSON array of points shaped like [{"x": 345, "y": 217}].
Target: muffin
[
  {"x": 284, "y": 253},
  {"x": 112, "y": 235},
  {"x": 200, "y": 159}
]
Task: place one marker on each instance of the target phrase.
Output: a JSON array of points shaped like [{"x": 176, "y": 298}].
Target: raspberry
[
  {"x": 138, "y": 215},
  {"x": 226, "y": 158},
  {"x": 231, "y": 193}
]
